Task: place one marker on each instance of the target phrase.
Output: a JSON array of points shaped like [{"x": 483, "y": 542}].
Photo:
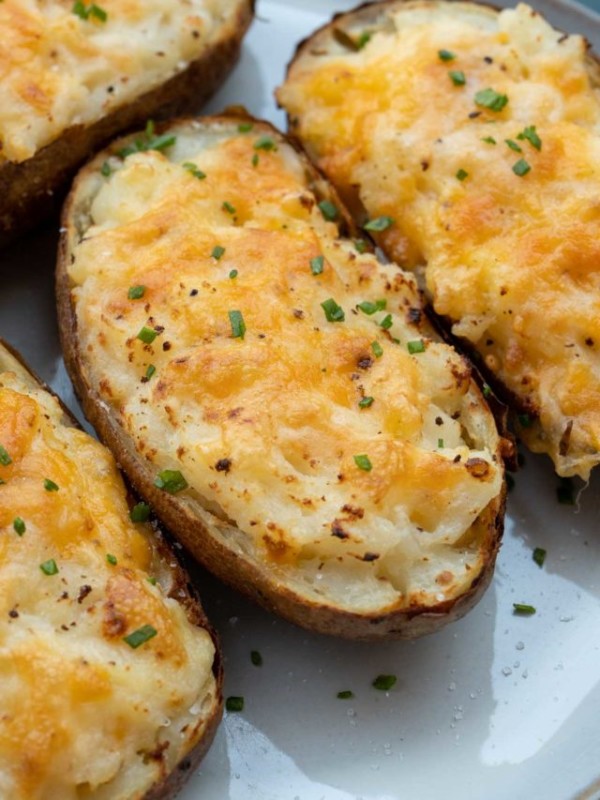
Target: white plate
[{"x": 496, "y": 707}]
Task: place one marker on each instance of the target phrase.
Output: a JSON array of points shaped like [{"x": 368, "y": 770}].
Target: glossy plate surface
[{"x": 495, "y": 707}]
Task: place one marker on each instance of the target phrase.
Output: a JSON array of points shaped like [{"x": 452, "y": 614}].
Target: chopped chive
[
  {"x": 363, "y": 462},
  {"x": 363, "y": 39},
  {"x": 150, "y": 371},
  {"x": 386, "y": 323},
  {"x": 523, "y": 608},
  {"x": 489, "y": 140},
  {"x": 171, "y": 481},
  {"x": 539, "y": 556},
  {"x": 487, "y": 392},
  {"x": 377, "y": 349},
  {"x": 365, "y": 402},
  {"x": 256, "y": 658},
  {"x": 457, "y": 77},
  {"x": 136, "y": 292},
  {"x": 105, "y": 169},
  {"x": 85, "y": 12},
  {"x": 111, "y": 559},
  {"x": 238, "y": 326},
  {"x": 513, "y": 145},
  {"x": 565, "y": 492},
  {"x": 329, "y": 210},
  {"x": 521, "y": 168},
  {"x": 446, "y": 55},
  {"x": 345, "y": 695},
  {"x": 147, "y": 335},
  {"x": 149, "y": 142},
  {"x": 140, "y": 512},
  {"x": 462, "y": 174},
  {"x": 228, "y": 207},
  {"x": 234, "y": 703},
  {"x": 416, "y": 346},
  {"x": 19, "y": 526},
  {"x": 316, "y": 265},
  {"x": 50, "y": 486},
  {"x": 367, "y": 307},
  {"x": 333, "y": 312},
  {"x": 532, "y": 137},
  {"x": 440, "y": 443},
  {"x": 140, "y": 636},
  {"x": 151, "y": 579},
  {"x": 360, "y": 245},
  {"x": 194, "y": 170},
  {"x": 384, "y": 682},
  {"x": 49, "y": 567},
  {"x": 378, "y": 224},
  {"x": 5, "y": 459},
  {"x": 265, "y": 143},
  {"x": 233, "y": 273},
  {"x": 524, "y": 420},
  {"x": 255, "y": 160},
  {"x": 245, "y": 127},
  {"x": 217, "y": 252},
  {"x": 99, "y": 13},
  {"x": 489, "y": 98}
]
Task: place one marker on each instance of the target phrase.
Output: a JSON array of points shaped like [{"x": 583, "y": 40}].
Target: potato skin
[
  {"x": 31, "y": 190},
  {"x": 209, "y": 542},
  {"x": 182, "y": 591}
]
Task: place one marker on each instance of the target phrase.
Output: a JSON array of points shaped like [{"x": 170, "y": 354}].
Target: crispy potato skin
[
  {"x": 32, "y": 189},
  {"x": 182, "y": 591},
  {"x": 207, "y": 543}
]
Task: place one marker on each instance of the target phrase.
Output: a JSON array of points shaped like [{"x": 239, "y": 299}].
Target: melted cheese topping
[
  {"x": 59, "y": 70},
  {"x": 266, "y": 428},
  {"x": 512, "y": 260},
  {"x": 84, "y": 714}
]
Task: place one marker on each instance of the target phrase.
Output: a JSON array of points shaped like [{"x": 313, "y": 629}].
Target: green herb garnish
[
  {"x": 136, "y": 292},
  {"x": 384, "y": 682},
  {"x": 416, "y": 346},
  {"x": 238, "y": 326},
  {"x": 255, "y": 160},
  {"x": 367, "y": 307},
  {"x": 524, "y": 420},
  {"x": 234, "y": 704},
  {"x": 233, "y": 273},
  {"x": 19, "y": 526},
  {"x": 245, "y": 127},
  {"x": 171, "y": 481},
  {"x": 386, "y": 323},
  {"x": 112, "y": 560},
  {"x": 217, "y": 252},
  {"x": 256, "y": 658},
  {"x": 365, "y": 402},
  {"x": 363, "y": 462},
  {"x": 105, "y": 169},
  {"x": 457, "y": 77},
  {"x": 489, "y": 98},
  {"x": 194, "y": 170},
  {"x": 150, "y": 371},
  {"x": 378, "y": 224},
  {"x": 539, "y": 556},
  {"x": 148, "y": 142},
  {"x": 329, "y": 210},
  {"x": 360, "y": 245},
  {"x": 265, "y": 143},
  {"x": 228, "y": 207},
  {"x": 489, "y": 140},
  {"x": 50, "y": 486},
  {"x": 140, "y": 636},
  {"x": 513, "y": 145},
  {"x": 333, "y": 312},
  {"x": 85, "y": 12},
  {"x": 521, "y": 168},
  {"x": 523, "y": 608},
  {"x": 440, "y": 443},
  {"x": 462, "y": 174},
  {"x": 140, "y": 512},
  {"x": 49, "y": 567},
  {"x": 5, "y": 459},
  {"x": 345, "y": 695},
  {"x": 147, "y": 335},
  {"x": 316, "y": 265},
  {"x": 377, "y": 349},
  {"x": 532, "y": 137}
]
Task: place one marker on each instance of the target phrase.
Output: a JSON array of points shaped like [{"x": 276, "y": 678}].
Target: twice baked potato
[
  {"x": 273, "y": 390},
  {"x": 111, "y": 679},
  {"x": 476, "y": 131},
  {"x": 76, "y": 74}
]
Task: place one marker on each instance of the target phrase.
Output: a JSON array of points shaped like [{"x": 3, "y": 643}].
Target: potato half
[
  {"x": 477, "y": 132},
  {"x": 111, "y": 677},
  {"x": 76, "y": 74},
  {"x": 272, "y": 389}
]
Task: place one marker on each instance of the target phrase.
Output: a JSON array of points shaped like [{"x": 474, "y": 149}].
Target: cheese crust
[
  {"x": 354, "y": 457},
  {"x": 84, "y": 713},
  {"x": 494, "y": 196}
]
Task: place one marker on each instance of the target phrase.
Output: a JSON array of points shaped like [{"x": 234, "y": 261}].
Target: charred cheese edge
[
  {"x": 64, "y": 64},
  {"x": 339, "y": 446},
  {"x": 83, "y": 712},
  {"x": 478, "y": 132}
]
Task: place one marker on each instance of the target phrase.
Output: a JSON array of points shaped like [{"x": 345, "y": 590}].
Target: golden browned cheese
[
  {"x": 353, "y": 453},
  {"x": 494, "y": 197},
  {"x": 83, "y": 713},
  {"x": 64, "y": 63}
]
